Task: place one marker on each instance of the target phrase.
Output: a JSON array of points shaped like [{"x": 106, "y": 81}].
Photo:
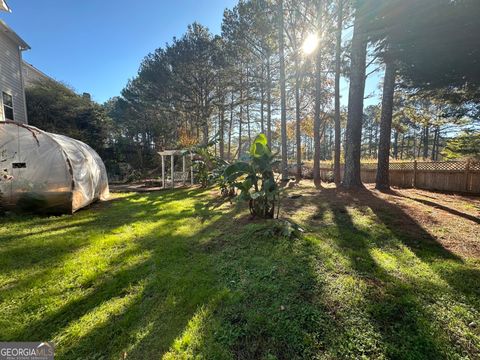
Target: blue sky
[{"x": 95, "y": 46}]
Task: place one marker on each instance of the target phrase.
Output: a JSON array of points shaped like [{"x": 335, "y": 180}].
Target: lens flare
[{"x": 310, "y": 44}]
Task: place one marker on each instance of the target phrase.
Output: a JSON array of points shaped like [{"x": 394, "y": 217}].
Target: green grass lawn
[{"x": 171, "y": 275}]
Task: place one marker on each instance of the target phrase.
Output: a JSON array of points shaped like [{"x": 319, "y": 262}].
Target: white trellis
[{"x": 184, "y": 172}]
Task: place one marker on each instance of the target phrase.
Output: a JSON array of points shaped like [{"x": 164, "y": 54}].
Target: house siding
[
  {"x": 33, "y": 76},
  {"x": 11, "y": 80}
]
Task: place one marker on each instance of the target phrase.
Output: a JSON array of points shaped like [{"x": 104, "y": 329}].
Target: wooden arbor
[{"x": 184, "y": 173}]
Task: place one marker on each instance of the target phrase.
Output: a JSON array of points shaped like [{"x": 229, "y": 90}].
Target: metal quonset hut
[{"x": 51, "y": 173}]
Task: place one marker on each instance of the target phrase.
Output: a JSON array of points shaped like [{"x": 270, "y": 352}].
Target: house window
[{"x": 8, "y": 106}]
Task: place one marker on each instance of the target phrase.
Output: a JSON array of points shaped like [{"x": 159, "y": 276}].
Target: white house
[{"x": 12, "y": 92}]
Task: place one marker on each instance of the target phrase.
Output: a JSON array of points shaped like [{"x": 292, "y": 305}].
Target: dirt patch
[{"x": 450, "y": 220}]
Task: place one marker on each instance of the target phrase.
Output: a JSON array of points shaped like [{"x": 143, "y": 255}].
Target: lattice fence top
[
  {"x": 442, "y": 165},
  {"x": 421, "y": 165},
  {"x": 402, "y": 166},
  {"x": 475, "y": 166}
]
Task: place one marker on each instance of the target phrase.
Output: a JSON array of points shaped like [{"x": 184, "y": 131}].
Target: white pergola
[{"x": 172, "y": 154}]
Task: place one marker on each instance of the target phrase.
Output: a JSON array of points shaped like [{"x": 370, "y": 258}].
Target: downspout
[{"x": 23, "y": 84}]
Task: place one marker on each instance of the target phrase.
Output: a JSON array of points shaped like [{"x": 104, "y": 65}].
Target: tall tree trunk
[
  {"x": 318, "y": 88},
  {"x": 298, "y": 119},
  {"x": 240, "y": 118},
  {"x": 383, "y": 180},
  {"x": 283, "y": 96},
  {"x": 262, "y": 101},
  {"x": 419, "y": 147},
  {"x": 205, "y": 111},
  {"x": 425, "y": 142},
  {"x": 248, "y": 125},
  {"x": 352, "y": 177},
  {"x": 248, "y": 111},
  {"x": 437, "y": 147},
  {"x": 230, "y": 128},
  {"x": 221, "y": 130},
  {"x": 432, "y": 154},
  {"x": 415, "y": 156},
  {"x": 338, "y": 53},
  {"x": 325, "y": 146},
  {"x": 395, "y": 143},
  {"x": 370, "y": 141},
  {"x": 331, "y": 143},
  {"x": 269, "y": 102},
  {"x": 402, "y": 146},
  {"x": 215, "y": 129},
  {"x": 435, "y": 144}
]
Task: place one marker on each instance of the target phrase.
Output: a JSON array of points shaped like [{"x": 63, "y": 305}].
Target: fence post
[
  {"x": 467, "y": 175},
  {"x": 414, "y": 173}
]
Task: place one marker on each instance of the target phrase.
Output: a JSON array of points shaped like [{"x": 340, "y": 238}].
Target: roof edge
[
  {"x": 4, "y": 6},
  {"x": 27, "y": 64},
  {"x": 12, "y": 35}
]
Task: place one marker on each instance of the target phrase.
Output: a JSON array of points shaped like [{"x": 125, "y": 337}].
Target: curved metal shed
[{"x": 51, "y": 173}]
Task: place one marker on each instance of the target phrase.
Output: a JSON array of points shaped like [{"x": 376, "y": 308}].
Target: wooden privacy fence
[{"x": 455, "y": 176}]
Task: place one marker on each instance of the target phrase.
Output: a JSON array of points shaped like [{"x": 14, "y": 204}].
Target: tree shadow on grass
[
  {"x": 269, "y": 307},
  {"x": 446, "y": 264},
  {"x": 207, "y": 209},
  {"x": 58, "y": 237},
  {"x": 244, "y": 294},
  {"x": 157, "y": 268},
  {"x": 439, "y": 206},
  {"x": 396, "y": 305},
  {"x": 221, "y": 291},
  {"x": 165, "y": 292},
  {"x": 401, "y": 333},
  {"x": 41, "y": 240}
]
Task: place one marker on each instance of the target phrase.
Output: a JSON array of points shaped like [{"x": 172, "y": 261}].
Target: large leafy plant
[
  {"x": 255, "y": 179},
  {"x": 207, "y": 165}
]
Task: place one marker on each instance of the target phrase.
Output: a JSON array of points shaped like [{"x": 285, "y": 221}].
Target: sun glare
[{"x": 310, "y": 44}]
